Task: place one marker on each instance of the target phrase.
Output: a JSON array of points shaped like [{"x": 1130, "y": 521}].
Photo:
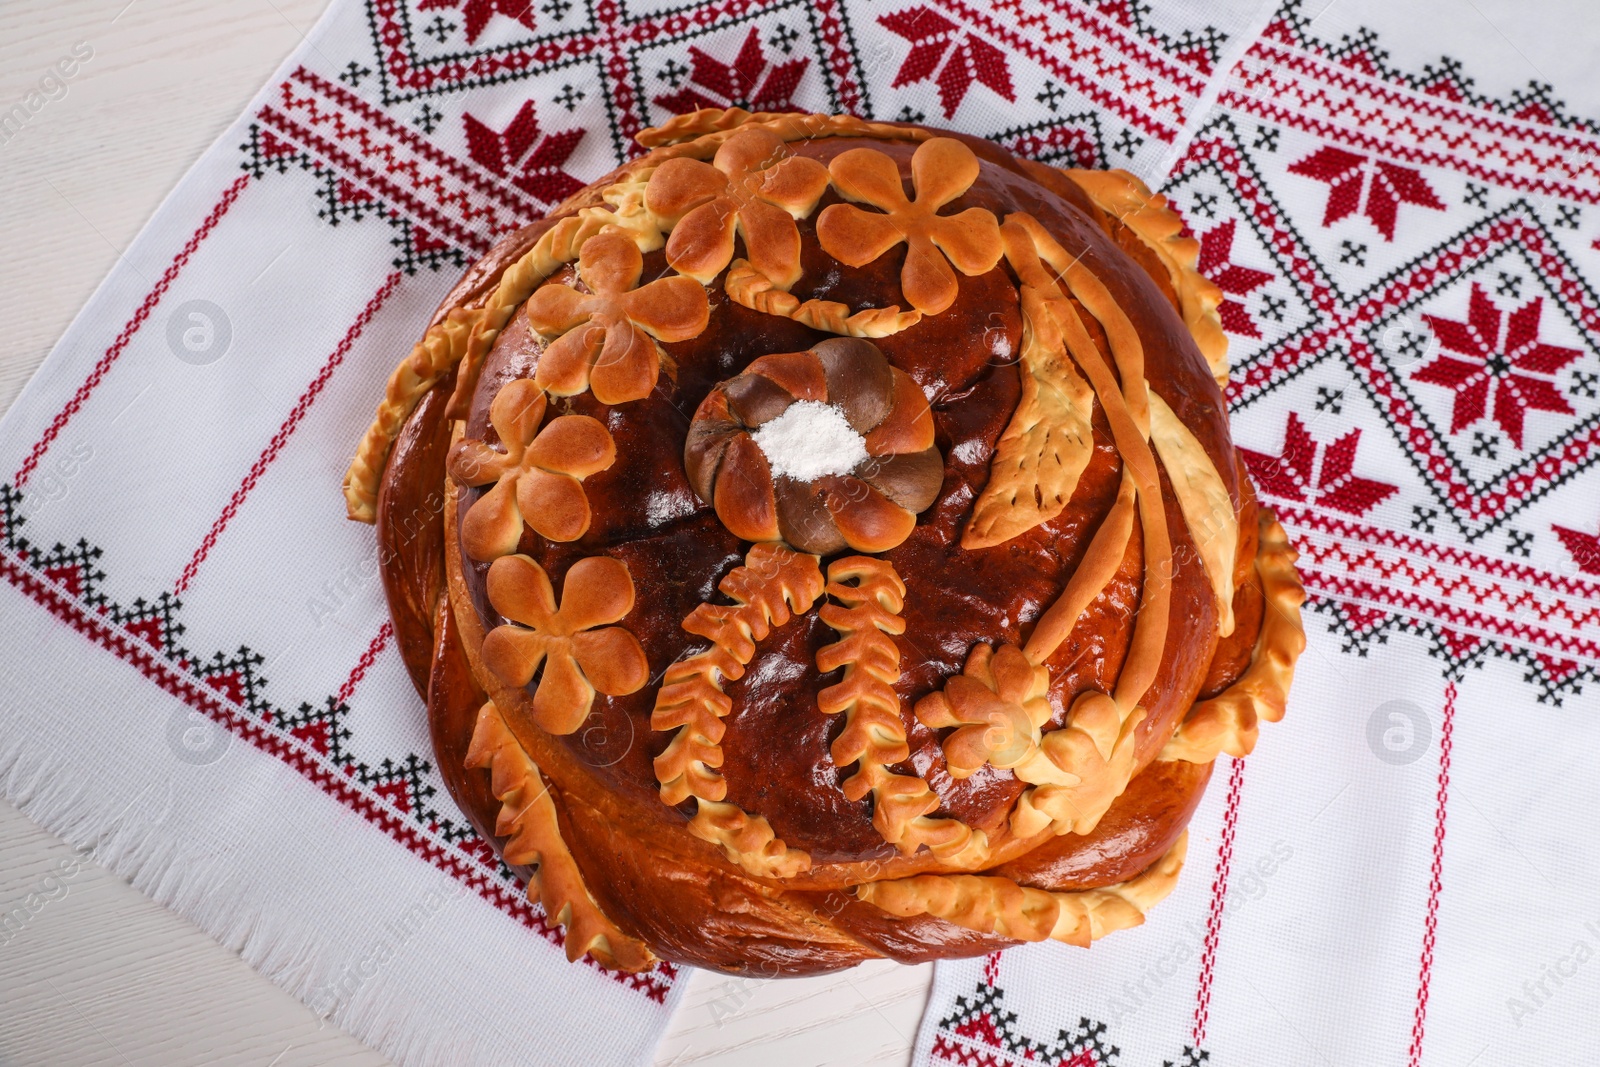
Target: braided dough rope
[
  {"x": 870, "y": 596},
  {"x": 1126, "y": 198},
  {"x": 774, "y": 583},
  {"x": 466, "y": 334},
  {"x": 699, "y": 134},
  {"x": 995, "y": 905},
  {"x": 528, "y": 819},
  {"x": 747, "y": 286},
  {"x": 1230, "y": 721}
]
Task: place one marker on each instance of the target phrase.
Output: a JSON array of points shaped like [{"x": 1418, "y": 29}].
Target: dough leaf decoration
[
  {"x": 1207, "y": 508},
  {"x": 1047, "y": 445},
  {"x": 867, "y": 598}
]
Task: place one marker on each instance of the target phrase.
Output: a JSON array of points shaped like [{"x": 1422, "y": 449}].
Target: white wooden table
[{"x": 103, "y": 975}]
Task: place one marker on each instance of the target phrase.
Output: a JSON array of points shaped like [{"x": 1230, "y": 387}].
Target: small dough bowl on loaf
[{"x": 821, "y": 540}]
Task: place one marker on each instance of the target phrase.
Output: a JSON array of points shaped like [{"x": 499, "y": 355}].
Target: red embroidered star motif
[
  {"x": 966, "y": 58},
  {"x": 750, "y": 81},
  {"x": 1513, "y": 363},
  {"x": 1216, "y": 249},
  {"x": 1311, "y": 473},
  {"x": 479, "y": 12},
  {"x": 1386, "y": 186},
  {"x": 520, "y": 156}
]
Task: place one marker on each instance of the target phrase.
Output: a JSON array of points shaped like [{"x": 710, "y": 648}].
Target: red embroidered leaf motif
[
  {"x": 686, "y": 100},
  {"x": 522, "y": 133},
  {"x": 920, "y": 62},
  {"x": 721, "y": 78},
  {"x": 1527, "y": 352},
  {"x": 749, "y": 63},
  {"x": 1287, "y": 475},
  {"x": 1391, "y": 186},
  {"x": 1472, "y": 401},
  {"x": 917, "y": 24},
  {"x": 542, "y": 177},
  {"x": 506, "y": 152},
  {"x": 1344, "y": 174},
  {"x": 1338, "y": 487},
  {"x": 954, "y": 81},
  {"x": 477, "y": 13},
  {"x": 1584, "y": 548},
  {"x": 750, "y": 81},
  {"x": 1469, "y": 380},
  {"x": 1216, "y": 251},
  {"x": 966, "y": 57},
  {"x": 1386, "y": 185},
  {"x": 1517, "y": 394},
  {"x": 989, "y": 66},
  {"x": 777, "y": 90},
  {"x": 484, "y": 146}
]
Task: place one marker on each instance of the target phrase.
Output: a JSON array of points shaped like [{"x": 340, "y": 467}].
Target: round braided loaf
[{"x": 777, "y": 712}]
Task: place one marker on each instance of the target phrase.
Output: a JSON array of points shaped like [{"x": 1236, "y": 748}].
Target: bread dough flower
[
  {"x": 755, "y": 187},
  {"x": 581, "y": 651},
  {"x": 605, "y": 337},
  {"x": 826, "y": 448},
  {"x": 941, "y": 170},
  {"x": 537, "y": 473},
  {"x": 997, "y": 705}
]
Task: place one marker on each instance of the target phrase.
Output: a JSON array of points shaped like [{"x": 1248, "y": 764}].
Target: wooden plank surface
[{"x": 100, "y": 974}]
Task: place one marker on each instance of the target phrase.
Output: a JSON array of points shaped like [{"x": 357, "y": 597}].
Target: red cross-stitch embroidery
[
  {"x": 519, "y": 155},
  {"x": 1585, "y": 547},
  {"x": 1216, "y": 251},
  {"x": 750, "y": 81},
  {"x": 1386, "y": 186},
  {"x": 1294, "y": 474},
  {"x": 479, "y": 12},
  {"x": 1512, "y": 362},
  {"x": 966, "y": 58}
]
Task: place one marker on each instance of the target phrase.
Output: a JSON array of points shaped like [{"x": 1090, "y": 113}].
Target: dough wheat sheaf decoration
[{"x": 891, "y": 649}]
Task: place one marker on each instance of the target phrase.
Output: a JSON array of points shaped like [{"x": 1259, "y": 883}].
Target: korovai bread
[{"x": 821, "y": 540}]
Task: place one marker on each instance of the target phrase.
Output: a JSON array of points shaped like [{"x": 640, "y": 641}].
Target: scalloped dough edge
[
  {"x": 527, "y": 820},
  {"x": 1230, "y": 721},
  {"x": 993, "y": 905}
]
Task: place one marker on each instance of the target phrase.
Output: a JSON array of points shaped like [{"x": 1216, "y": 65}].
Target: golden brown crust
[
  {"x": 1127, "y": 199},
  {"x": 1230, "y": 721},
  {"x": 527, "y": 821},
  {"x": 994, "y": 905},
  {"x": 958, "y": 749}
]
